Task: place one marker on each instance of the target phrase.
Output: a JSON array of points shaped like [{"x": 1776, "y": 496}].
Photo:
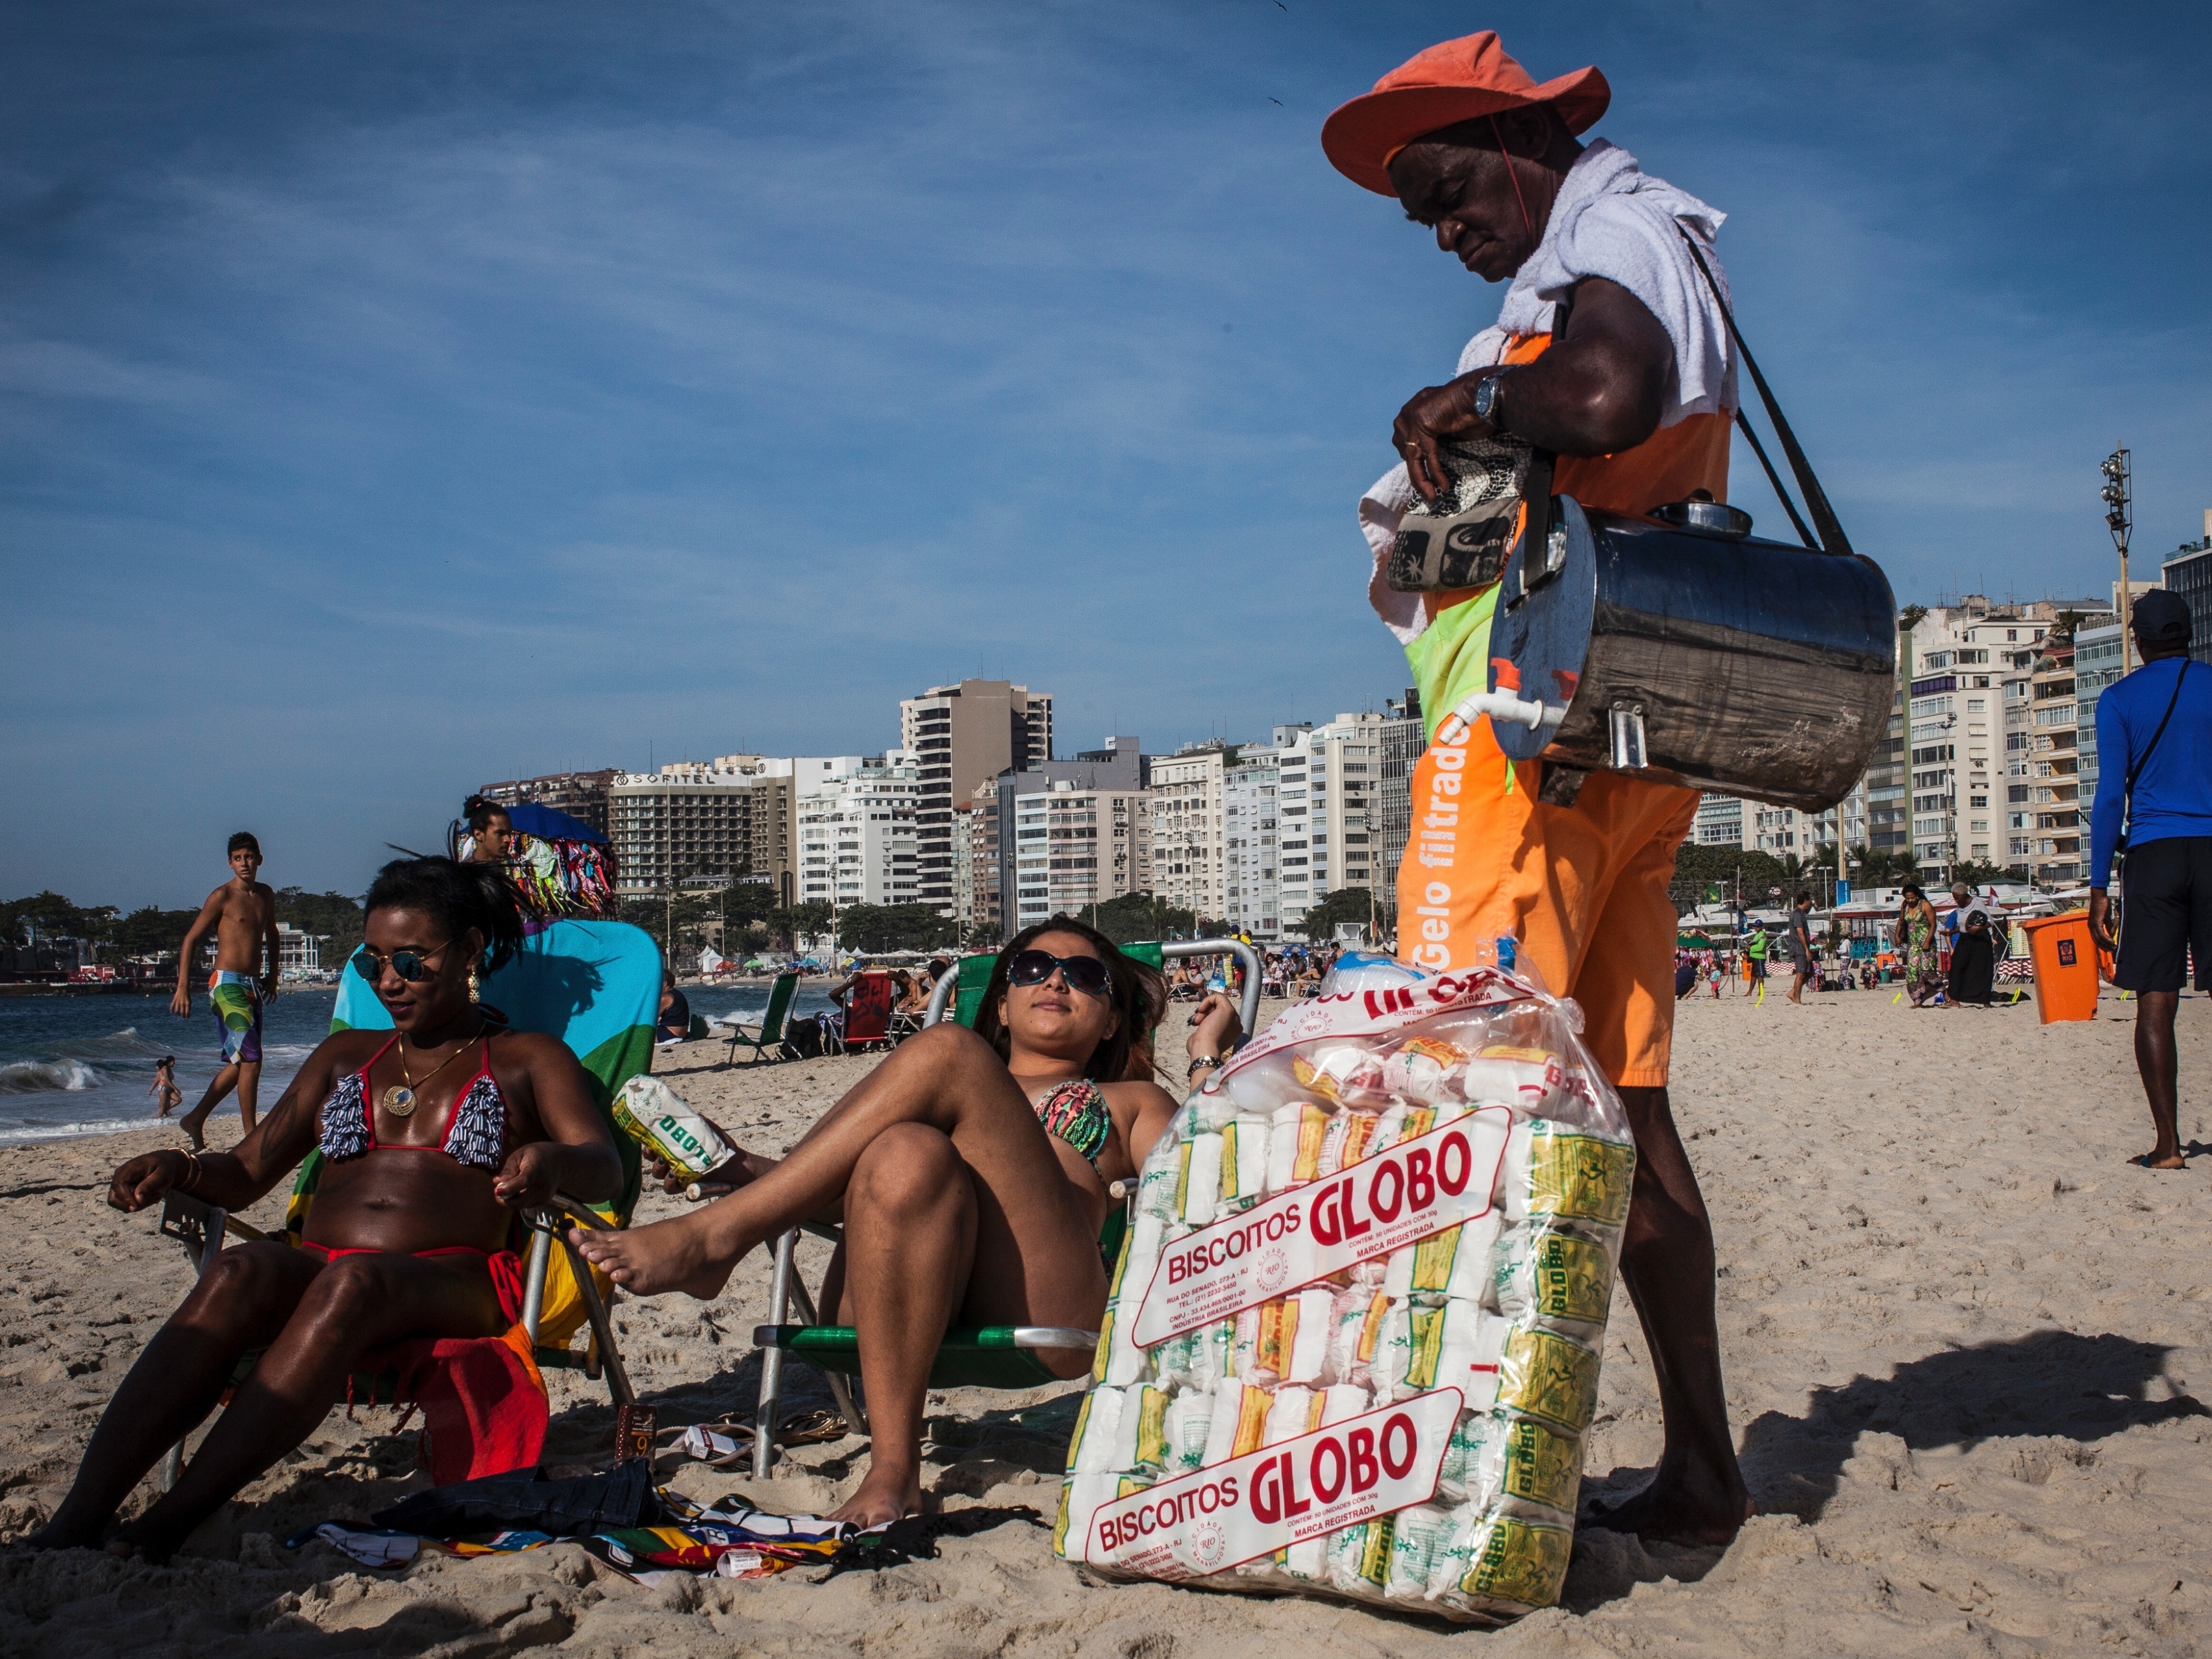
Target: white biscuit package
[{"x": 1352, "y": 1340}]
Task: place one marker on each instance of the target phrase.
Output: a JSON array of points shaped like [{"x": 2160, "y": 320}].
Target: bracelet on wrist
[{"x": 1205, "y": 1062}]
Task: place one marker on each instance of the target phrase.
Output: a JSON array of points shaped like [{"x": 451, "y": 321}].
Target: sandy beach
[{"x": 1962, "y": 1336}]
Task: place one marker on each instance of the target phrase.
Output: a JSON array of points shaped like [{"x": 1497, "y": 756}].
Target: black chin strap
[{"x": 1816, "y": 500}]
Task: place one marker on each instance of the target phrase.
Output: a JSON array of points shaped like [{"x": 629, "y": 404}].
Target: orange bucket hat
[{"x": 1457, "y": 80}]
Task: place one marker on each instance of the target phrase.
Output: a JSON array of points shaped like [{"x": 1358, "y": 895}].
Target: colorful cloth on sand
[
  {"x": 731, "y": 1540},
  {"x": 236, "y": 1000}
]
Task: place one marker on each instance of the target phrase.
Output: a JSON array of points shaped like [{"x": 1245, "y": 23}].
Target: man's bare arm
[
  {"x": 271, "y": 944},
  {"x": 211, "y": 912},
  {"x": 1597, "y": 391}
]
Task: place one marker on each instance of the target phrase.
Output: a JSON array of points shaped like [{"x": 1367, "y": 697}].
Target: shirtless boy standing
[{"x": 243, "y": 913}]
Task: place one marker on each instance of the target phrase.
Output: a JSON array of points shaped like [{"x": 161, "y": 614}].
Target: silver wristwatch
[{"x": 1486, "y": 402}]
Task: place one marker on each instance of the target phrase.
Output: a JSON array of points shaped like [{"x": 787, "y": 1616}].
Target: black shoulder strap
[
  {"x": 1816, "y": 500},
  {"x": 2135, "y": 771}
]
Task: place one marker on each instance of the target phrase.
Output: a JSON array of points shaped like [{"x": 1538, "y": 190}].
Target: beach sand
[{"x": 1961, "y": 1336}]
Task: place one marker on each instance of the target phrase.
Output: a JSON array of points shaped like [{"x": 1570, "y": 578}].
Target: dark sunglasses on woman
[
  {"x": 408, "y": 965},
  {"x": 1084, "y": 973}
]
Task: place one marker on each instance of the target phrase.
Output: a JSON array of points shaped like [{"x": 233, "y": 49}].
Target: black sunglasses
[
  {"x": 1084, "y": 973},
  {"x": 408, "y": 965}
]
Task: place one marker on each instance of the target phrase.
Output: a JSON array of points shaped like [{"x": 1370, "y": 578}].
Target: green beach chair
[
  {"x": 981, "y": 1356},
  {"x": 770, "y": 1032}
]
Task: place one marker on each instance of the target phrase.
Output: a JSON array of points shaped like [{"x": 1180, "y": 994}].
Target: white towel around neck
[{"x": 1613, "y": 220}]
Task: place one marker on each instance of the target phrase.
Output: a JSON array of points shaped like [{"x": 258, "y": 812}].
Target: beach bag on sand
[{"x": 1352, "y": 1343}]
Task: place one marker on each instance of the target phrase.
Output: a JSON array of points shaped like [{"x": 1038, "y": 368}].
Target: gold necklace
[{"x": 398, "y": 1100}]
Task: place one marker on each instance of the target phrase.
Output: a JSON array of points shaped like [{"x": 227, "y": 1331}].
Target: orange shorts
[{"x": 1582, "y": 888}]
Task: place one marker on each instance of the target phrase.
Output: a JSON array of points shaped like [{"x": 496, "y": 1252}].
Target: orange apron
[{"x": 1583, "y": 889}]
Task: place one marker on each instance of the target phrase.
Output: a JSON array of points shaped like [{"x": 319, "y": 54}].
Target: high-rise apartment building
[
  {"x": 1073, "y": 832},
  {"x": 1251, "y": 897},
  {"x": 2188, "y": 572},
  {"x": 702, "y": 823},
  {"x": 2096, "y": 665},
  {"x": 1404, "y": 738},
  {"x": 1190, "y": 861},
  {"x": 1991, "y": 735},
  {"x": 856, "y": 831},
  {"x": 1330, "y": 802},
  {"x": 581, "y": 795},
  {"x": 959, "y": 735},
  {"x": 984, "y": 922}
]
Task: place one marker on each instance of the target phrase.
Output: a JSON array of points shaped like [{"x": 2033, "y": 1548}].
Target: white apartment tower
[
  {"x": 1188, "y": 798},
  {"x": 1076, "y": 846},
  {"x": 1251, "y": 897},
  {"x": 856, "y": 830},
  {"x": 1330, "y": 803}
]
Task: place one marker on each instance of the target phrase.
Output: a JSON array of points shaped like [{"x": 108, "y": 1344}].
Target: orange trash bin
[{"x": 2065, "y": 962}]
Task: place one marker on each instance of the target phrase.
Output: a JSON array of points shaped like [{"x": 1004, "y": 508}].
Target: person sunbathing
[
  {"x": 971, "y": 1171},
  {"x": 395, "y": 1246}
]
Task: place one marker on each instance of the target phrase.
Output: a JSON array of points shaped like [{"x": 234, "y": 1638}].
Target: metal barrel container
[{"x": 1694, "y": 652}]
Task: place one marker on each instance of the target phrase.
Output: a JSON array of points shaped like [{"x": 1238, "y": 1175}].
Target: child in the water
[{"x": 165, "y": 1088}]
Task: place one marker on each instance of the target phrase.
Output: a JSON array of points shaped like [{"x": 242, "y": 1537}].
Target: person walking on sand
[
  {"x": 242, "y": 911},
  {"x": 1916, "y": 945},
  {"x": 1798, "y": 937},
  {"x": 1755, "y": 955},
  {"x": 2154, "y": 803},
  {"x": 1611, "y": 353},
  {"x": 167, "y": 1095}
]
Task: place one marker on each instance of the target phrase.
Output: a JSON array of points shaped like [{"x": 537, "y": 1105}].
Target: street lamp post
[{"x": 2120, "y": 519}]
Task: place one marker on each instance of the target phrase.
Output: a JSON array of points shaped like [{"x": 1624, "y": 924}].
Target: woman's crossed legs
[
  {"x": 954, "y": 1201},
  {"x": 315, "y": 1322}
]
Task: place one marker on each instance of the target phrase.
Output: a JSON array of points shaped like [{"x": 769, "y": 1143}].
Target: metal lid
[{"x": 1715, "y": 516}]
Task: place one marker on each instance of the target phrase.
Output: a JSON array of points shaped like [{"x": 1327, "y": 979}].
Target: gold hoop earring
[{"x": 476, "y": 988}]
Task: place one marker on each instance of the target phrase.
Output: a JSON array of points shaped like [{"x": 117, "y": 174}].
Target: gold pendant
[{"x": 398, "y": 1101}]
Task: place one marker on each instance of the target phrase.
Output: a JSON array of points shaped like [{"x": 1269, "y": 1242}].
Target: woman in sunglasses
[
  {"x": 436, "y": 1134},
  {"x": 971, "y": 1171}
]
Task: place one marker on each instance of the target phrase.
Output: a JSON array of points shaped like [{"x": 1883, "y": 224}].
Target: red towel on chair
[{"x": 483, "y": 1397}]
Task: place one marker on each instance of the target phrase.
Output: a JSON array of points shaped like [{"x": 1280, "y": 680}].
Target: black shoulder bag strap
[
  {"x": 1816, "y": 500},
  {"x": 2128, "y": 801}
]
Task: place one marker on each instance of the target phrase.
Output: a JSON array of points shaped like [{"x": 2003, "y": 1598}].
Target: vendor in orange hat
[{"x": 1634, "y": 392}]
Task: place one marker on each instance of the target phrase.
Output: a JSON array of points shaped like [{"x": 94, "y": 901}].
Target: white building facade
[
  {"x": 1075, "y": 847},
  {"x": 1329, "y": 799},
  {"x": 856, "y": 831},
  {"x": 1251, "y": 896}
]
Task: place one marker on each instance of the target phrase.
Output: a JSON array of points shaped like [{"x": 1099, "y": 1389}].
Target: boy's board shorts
[{"x": 236, "y": 999}]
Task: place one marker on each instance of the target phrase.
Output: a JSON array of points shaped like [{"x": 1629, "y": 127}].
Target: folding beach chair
[
  {"x": 770, "y": 1032},
  {"x": 987, "y": 1356},
  {"x": 595, "y": 985},
  {"x": 867, "y": 1016}
]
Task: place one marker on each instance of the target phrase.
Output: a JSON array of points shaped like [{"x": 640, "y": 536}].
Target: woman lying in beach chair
[
  {"x": 971, "y": 1171},
  {"x": 396, "y": 1247}
]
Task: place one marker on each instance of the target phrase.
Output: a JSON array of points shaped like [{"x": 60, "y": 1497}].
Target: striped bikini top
[
  {"x": 1075, "y": 1112},
  {"x": 476, "y": 1136}
]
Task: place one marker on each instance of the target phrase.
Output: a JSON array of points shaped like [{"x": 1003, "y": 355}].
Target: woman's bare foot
[
  {"x": 690, "y": 1253},
  {"x": 140, "y": 1542},
  {"x": 887, "y": 1493},
  {"x": 62, "y": 1534},
  {"x": 2160, "y": 1160},
  {"x": 1669, "y": 1513}
]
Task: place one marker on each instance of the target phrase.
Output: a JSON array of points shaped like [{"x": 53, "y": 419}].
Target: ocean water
[{"x": 82, "y": 1065}]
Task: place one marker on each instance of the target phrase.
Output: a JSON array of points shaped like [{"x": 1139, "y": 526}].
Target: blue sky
[{"x": 395, "y": 398}]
